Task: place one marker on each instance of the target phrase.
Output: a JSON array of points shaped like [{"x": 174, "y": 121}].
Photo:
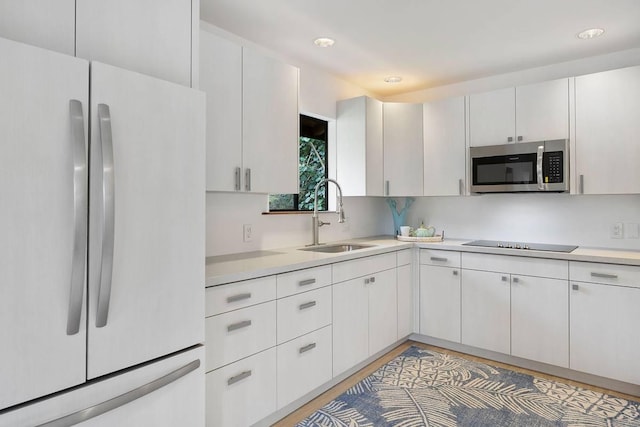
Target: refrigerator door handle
[
  {"x": 123, "y": 399},
  {"x": 108, "y": 215},
  {"x": 80, "y": 210}
]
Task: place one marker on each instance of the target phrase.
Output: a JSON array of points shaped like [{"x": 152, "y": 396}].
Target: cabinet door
[
  {"x": 146, "y": 36},
  {"x": 542, "y": 111},
  {"x": 43, "y": 23},
  {"x": 444, "y": 147},
  {"x": 350, "y": 324},
  {"x": 383, "y": 310},
  {"x": 440, "y": 302},
  {"x": 492, "y": 117},
  {"x": 156, "y": 303},
  {"x": 269, "y": 124},
  {"x": 221, "y": 80},
  {"x": 37, "y": 221},
  {"x": 405, "y": 301},
  {"x": 540, "y": 319},
  {"x": 486, "y": 310},
  {"x": 403, "y": 157},
  {"x": 607, "y": 129},
  {"x": 603, "y": 331}
]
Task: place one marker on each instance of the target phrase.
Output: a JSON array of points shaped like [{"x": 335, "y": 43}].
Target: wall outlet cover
[
  {"x": 616, "y": 231},
  {"x": 247, "y": 233}
]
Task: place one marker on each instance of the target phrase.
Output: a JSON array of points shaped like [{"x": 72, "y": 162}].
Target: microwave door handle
[{"x": 539, "y": 167}]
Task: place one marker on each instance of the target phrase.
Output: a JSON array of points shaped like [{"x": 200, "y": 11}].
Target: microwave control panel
[{"x": 552, "y": 166}]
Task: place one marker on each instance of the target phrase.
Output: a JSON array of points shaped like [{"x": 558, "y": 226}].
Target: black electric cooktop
[{"x": 521, "y": 245}]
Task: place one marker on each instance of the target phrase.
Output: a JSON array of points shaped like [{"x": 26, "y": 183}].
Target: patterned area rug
[{"x": 426, "y": 388}]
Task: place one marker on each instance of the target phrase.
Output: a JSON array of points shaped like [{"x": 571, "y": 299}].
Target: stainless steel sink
[{"x": 342, "y": 247}]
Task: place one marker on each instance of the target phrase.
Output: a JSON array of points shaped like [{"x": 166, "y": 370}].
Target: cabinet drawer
[
  {"x": 303, "y": 280},
  {"x": 303, "y": 365},
  {"x": 439, "y": 257},
  {"x": 610, "y": 274},
  {"x": 348, "y": 270},
  {"x": 220, "y": 299},
  {"x": 303, "y": 313},
  {"x": 237, "y": 334},
  {"x": 538, "y": 267},
  {"x": 403, "y": 257},
  {"x": 242, "y": 393}
]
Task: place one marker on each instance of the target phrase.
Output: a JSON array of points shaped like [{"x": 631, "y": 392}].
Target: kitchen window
[{"x": 312, "y": 168}]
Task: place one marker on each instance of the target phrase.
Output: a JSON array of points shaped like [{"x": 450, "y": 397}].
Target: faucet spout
[{"x": 316, "y": 223}]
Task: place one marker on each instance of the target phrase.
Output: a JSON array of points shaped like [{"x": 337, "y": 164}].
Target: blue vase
[{"x": 399, "y": 218}]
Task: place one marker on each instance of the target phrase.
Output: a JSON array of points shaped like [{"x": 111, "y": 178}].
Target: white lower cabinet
[
  {"x": 405, "y": 300},
  {"x": 303, "y": 364},
  {"x": 242, "y": 393},
  {"x": 440, "y": 302},
  {"x": 604, "y": 320},
  {"x": 301, "y": 313},
  {"x": 383, "y": 311},
  {"x": 350, "y": 324}
]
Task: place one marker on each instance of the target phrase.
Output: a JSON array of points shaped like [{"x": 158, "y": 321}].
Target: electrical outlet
[
  {"x": 247, "y": 233},
  {"x": 631, "y": 230},
  {"x": 616, "y": 231}
]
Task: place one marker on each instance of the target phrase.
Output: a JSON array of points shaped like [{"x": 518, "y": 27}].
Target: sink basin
[{"x": 342, "y": 247}]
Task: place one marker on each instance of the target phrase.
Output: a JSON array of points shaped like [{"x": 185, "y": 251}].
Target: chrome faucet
[{"x": 316, "y": 222}]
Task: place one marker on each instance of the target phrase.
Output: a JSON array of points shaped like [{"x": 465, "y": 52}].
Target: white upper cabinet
[
  {"x": 359, "y": 148},
  {"x": 534, "y": 112},
  {"x": 607, "y": 129},
  {"x": 269, "y": 124},
  {"x": 403, "y": 145},
  {"x": 43, "y": 23},
  {"x": 252, "y": 118},
  {"x": 444, "y": 147},
  {"x": 221, "y": 79}
]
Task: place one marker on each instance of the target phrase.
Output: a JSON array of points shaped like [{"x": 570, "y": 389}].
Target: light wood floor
[{"x": 317, "y": 403}]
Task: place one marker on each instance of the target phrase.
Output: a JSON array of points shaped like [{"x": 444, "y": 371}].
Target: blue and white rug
[{"x": 426, "y": 388}]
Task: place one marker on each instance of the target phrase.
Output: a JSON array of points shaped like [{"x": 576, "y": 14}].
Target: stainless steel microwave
[{"x": 521, "y": 167}]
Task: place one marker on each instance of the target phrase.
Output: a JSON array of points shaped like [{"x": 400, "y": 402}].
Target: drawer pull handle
[
  {"x": 307, "y": 305},
  {"x": 239, "y": 377},
  {"x": 239, "y": 297},
  {"x": 306, "y": 282},
  {"x": 604, "y": 275},
  {"x": 575, "y": 287},
  {"x": 516, "y": 280},
  {"x": 239, "y": 325},
  {"x": 307, "y": 348},
  {"x": 505, "y": 278},
  {"x": 440, "y": 259},
  {"x": 455, "y": 272}
]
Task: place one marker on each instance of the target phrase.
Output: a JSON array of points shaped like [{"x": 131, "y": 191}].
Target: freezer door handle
[
  {"x": 80, "y": 202},
  {"x": 123, "y": 399},
  {"x": 108, "y": 214}
]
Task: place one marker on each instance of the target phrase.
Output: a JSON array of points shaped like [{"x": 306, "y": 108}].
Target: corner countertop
[{"x": 249, "y": 265}]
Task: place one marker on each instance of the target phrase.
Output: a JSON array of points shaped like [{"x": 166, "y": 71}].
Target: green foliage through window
[{"x": 312, "y": 168}]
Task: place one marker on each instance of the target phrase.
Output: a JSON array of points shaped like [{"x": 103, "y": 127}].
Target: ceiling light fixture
[
  {"x": 590, "y": 33},
  {"x": 324, "y": 42},
  {"x": 393, "y": 79}
]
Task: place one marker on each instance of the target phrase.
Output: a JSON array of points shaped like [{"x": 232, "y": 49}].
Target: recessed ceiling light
[
  {"x": 590, "y": 33},
  {"x": 324, "y": 42},
  {"x": 393, "y": 79}
]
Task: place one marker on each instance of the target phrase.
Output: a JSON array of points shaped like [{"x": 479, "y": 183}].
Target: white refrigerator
[{"x": 101, "y": 244}]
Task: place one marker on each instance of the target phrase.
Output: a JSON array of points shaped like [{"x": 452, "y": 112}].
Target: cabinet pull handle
[
  {"x": 436, "y": 258},
  {"x": 239, "y": 325},
  {"x": 516, "y": 280},
  {"x": 373, "y": 280},
  {"x": 510, "y": 139},
  {"x": 461, "y": 186},
  {"x": 519, "y": 138},
  {"x": 604, "y": 275},
  {"x": 306, "y": 282},
  {"x": 247, "y": 179},
  {"x": 575, "y": 287},
  {"x": 455, "y": 272},
  {"x": 386, "y": 188},
  {"x": 80, "y": 202},
  {"x": 307, "y": 305},
  {"x": 239, "y": 377},
  {"x": 123, "y": 399},
  {"x": 581, "y": 184},
  {"x": 367, "y": 281},
  {"x": 239, "y": 297},
  {"x": 307, "y": 348},
  {"x": 237, "y": 173},
  {"x": 504, "y": 278}
]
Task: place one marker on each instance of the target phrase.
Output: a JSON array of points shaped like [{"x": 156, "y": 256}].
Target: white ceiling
[{"x": 428, "y": 42}]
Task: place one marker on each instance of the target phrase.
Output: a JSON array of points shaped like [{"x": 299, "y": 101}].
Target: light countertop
[{"x": 248, "y": 265}]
